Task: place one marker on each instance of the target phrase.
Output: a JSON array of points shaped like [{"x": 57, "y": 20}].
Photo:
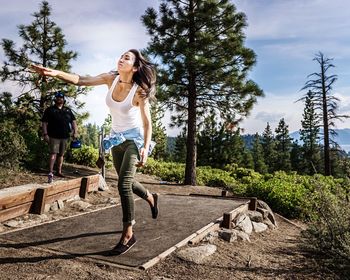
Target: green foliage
[
  {"x": 89, "y": 135},
  {"x": 167, "y": 171},
  {"x": 86, "y": 155},
  {"x": 12, "y": 145},
  {"x": 291, "y": 195},
  {"x": 214, "y": 177},
  {"x": 329, "y": 230},
  {"x": 283, "y": 147},
  {"x": 158, "y": 132}
]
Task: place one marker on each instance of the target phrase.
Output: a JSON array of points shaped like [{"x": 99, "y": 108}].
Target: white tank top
[{"x": 124, "y": 114}]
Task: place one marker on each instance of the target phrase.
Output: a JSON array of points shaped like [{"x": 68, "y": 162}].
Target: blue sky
[{"x": 285, "y": 35}]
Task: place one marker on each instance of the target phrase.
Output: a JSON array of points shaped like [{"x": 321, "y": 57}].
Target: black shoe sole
[{"x": 154, "y": 209}]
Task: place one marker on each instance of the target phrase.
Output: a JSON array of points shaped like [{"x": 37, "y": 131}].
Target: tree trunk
[
  {"x": 327, "y": 164},
  {"x": 191, "y": 156}
]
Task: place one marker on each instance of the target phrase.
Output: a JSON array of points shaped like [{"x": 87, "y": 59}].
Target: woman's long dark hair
[{"x": 145, "y": 76}]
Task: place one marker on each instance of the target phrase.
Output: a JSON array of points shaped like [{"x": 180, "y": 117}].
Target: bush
[
  {"x": 12, "y": 145},
  {"x": 329, "y": 230},
  {"x": 86, "y": 155}
]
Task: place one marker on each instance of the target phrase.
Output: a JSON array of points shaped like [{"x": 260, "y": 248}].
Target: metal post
[{"x": 103, "y": 153}]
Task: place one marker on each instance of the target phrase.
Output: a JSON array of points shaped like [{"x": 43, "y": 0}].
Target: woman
[{"x": 128, "y": 100}]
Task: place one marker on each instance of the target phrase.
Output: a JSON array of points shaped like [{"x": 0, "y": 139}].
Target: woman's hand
[
  {"x": 44, "y": 70},
  {"x": 143, "y": 157}
]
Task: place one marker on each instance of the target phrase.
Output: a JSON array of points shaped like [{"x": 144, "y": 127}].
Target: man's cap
[{"x": 59, "y": 94}]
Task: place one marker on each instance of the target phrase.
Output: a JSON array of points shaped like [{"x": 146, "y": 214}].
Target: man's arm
[
  {"x": 75, "y": 128},
  {"x": 44, "y": 130}
]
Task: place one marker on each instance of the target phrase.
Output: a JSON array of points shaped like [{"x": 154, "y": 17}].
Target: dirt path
[{"x": 270, "y": 255}]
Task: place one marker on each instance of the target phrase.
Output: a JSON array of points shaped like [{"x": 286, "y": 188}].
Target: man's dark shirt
[{"x": 59, "y": 121}]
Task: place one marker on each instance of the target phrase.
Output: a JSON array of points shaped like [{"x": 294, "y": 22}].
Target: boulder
[
  {"x": 259, "y": 227},
  {"x": 197, "y": 254}
]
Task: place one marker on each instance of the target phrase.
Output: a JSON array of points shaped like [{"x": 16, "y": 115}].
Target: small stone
[
  {"x": 80, "y": 205},
  {"x": 54, "y": 206},
  {"x": 228, "y": 235},
  {"x": 12, "y": 223},
  {"x": 60, "y": 204},
  {"x": 243, "y": 236}
]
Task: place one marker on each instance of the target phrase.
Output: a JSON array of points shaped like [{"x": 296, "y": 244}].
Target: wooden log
[
  {"x": 63, "y": 195},
  {"x": 84, "y": 187},
  {"x": 252, "y": 204},
  {"x": 17, "y": 199},
  {"x": 14, "y": 212},
  {"x": 39, "y": 202},
  {"x": 226, "y": 221},
  {"x": 63, "y": 186}
]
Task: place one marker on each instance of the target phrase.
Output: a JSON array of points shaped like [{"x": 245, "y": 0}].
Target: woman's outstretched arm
[{"x": 73, "y": 78}]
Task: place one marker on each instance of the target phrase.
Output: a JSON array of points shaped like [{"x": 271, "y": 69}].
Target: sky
[{"x": 285, "y": 35}]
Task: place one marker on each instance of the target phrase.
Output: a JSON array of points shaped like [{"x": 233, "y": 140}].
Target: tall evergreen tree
[
  {"x": 283, "y": 147},
  {"x": 180, "y": 148},
  {"x": 321, "y": 84},
  {"x": 309, "y": 135},
  {"x": 203, "y": 64},
  {"x": 269, "y": 148},
  {"x": 158, "y": 132},
  {"x": 258, "y": 155},
  {"x": 209, "y": 141}
]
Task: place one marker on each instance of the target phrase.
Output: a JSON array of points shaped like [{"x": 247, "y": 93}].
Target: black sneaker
[
  {"x": 154, "y": 208},
  {"x": 121, "y": 248}
]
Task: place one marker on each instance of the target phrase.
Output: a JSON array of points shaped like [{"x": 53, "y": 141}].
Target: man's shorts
[{"x": 58, "y": 146}]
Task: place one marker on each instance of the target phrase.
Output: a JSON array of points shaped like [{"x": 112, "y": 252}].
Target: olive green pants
[{"x": 125, "y": 156}]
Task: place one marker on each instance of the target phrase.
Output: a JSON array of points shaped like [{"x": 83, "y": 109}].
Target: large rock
[
  {"x": 255, "y": 216},
  {"x": 197, "y": 254},
  {"x": 268, "y": 213},
  {"x": 244, "y": 223},
  {"x": 259, "y": 227},
  {"x": 228, "y": 235}
]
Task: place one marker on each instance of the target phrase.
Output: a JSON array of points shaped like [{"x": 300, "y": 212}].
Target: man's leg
[
  {"x": 52, "y": 162},
  {"x": 59, "y": 164},
  {"x": 62, "y": 149},
  {"x": 54, "y": 149}
]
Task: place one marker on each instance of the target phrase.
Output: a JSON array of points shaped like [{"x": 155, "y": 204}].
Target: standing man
[{"x": 57, "y": 124}]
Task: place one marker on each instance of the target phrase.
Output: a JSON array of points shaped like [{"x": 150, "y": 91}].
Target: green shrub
[
  {"x": 86, "y": 155},
  {"x": 329, "y": 229},
  {"x": 214, "y": 177},
  {"x": 12, "y": 145}
]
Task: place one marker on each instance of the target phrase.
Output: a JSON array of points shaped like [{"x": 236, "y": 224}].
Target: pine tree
[
  {"x": 269, "y": 148},
  {"x": 283, "y": 147},
  {"x": 321, "y": 85},
  {"x": 180, "y": 148},
  {"x": 258, "y": 155},
  {"x": 309, "y": 135},
  {"x": 158, "y": 132},
  {"x": 208, "y": 142},
  {"x": 203, "y": 64}
]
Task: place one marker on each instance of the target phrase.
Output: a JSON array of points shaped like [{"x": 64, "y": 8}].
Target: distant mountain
[{"x": 343, "y": 138}]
